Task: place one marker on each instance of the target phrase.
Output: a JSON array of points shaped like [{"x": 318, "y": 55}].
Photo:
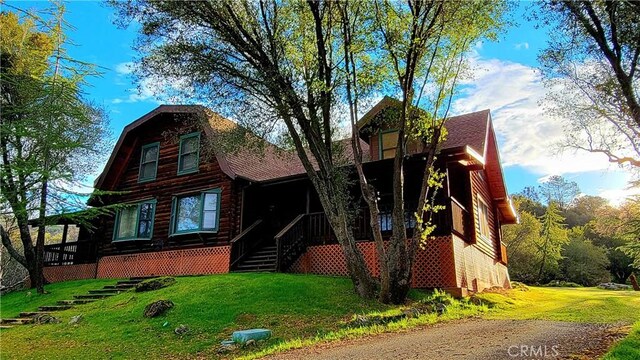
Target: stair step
[
  {"x": 258, "y": 262},
  {"x": 270, "y": 254},
  {"x": 55, "y": 307},
  {"x": 76, "y": 301},
  {"x": 142, "y": 278},
  {"x": 257, "y": 267},
  {"x": 5, "y": 326},
  {"x": 17, "y": 321},
  {"x": 262, "y": 257},
  {"x": 25, "y": 314},
  {"x": 254, "y": 270},
  {"x": 105, "y": 291},
  {"x": 93, "y": 296},
  {"x": 128, "y": 283}
]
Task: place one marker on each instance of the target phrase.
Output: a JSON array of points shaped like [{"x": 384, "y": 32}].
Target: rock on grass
[
  {"x": 155, "y": 284},
  {"x": 157, "y": 308}
]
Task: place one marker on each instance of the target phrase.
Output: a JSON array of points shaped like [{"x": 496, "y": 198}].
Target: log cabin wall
[
  {"x": 166, "y": 130},
  {"x": 480, "y": 189}
]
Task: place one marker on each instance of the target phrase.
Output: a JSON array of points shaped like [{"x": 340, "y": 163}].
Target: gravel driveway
[{"x": 475, "y": 339}]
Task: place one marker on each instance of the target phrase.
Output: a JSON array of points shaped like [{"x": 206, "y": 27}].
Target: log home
[{"x": 186, "y": 206}]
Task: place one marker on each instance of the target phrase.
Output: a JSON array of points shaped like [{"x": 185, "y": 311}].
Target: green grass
[
  {"x": 627, "y": 349},
  {"x": 298, "y": 308},
  {"x": 12, "y": 304},
  {"x": 589, "y": 305}
]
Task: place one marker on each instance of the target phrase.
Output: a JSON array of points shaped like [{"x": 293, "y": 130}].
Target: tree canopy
[{"x": 50, "y": 136}]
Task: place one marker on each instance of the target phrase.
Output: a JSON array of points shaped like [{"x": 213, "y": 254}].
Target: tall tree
[
  {"x": 559, "y": 190},
  {"x": 49, "y": 135},
  {"x": 522, "y": 241},
  {"x": 294, "y": 62},
  {"x": 591, "y": 67},
  {"x": 552, "y": 237}
]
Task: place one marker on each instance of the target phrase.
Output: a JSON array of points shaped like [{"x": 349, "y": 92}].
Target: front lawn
[
  {"x": 588, "y": 305},
  {"x": 298, "y": 308}
]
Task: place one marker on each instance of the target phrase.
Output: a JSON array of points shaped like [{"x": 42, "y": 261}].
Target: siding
[
  {"x": 480, "y": 186},
  {"x": 166, "y": 185}
]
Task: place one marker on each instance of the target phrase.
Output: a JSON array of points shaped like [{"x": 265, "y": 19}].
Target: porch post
[{"x": 308, "y": 206}]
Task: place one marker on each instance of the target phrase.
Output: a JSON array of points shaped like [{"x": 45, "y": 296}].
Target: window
[
  {"x": 135, "y": 222},
  {"x": 189, "y": 153},
  {"x": 385, "y": 220},
  {"x": 483, "y": 220},
  {"x": 196, "y": 213},
  {"x": 388, "y": 144},
  {"x": 149, "y": 162}
]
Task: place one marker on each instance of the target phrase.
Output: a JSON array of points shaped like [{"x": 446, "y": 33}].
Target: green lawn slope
[{"x": 211, "y": 306}]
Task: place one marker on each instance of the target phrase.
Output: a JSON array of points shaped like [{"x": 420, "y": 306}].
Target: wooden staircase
[
  {"x": 262, "y": 259},
  {"x": 28, "y": 317}
]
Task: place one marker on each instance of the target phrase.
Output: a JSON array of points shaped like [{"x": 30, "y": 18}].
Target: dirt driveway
[{"x": 475, "y": 339}]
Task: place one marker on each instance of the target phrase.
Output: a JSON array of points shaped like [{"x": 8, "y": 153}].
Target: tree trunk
[
  {"x": 36, "y": 278},
  {"x": 363, "y": 282},
  {"x": 634, "y": 282}
]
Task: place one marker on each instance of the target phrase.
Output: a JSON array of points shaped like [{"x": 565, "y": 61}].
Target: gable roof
[
  {"x": 270, "y": 163},
  {"x": 470, "y": 133},
  {"x": 473, "y": 135},
  {"x": 463, "y": 130}
]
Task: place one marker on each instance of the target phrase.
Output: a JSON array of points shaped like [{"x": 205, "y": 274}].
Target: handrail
[
  {"x": 240, "y": 246},
  {"x": 290, "y": 242},
  {"x": 289, "y": 226},
  {"x": 246, "y": 231}
]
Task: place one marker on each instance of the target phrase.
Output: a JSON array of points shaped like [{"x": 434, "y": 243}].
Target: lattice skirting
[
  {"x": 476, "y": 270},
  {"x": 434, "y": 265},
  {"x": 212, "y": 260},
  {"x": 55, "y": 274}
]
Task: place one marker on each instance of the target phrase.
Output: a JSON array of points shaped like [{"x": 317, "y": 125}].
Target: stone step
[
  {"x": 76, "y": 301},
  {"x": 17, "y": 321},
  {"x": 120, "y": 287},
  {"x": 25, "y": 314},
  {"x": 5, "y": 326},
  {"x": 93, "y": 296},
  {"x": 128, "y": 282},
  {"x": 104, "y": 291},
  {"x": 142, "y": 278},
  {"x": 54, "y": 307}
]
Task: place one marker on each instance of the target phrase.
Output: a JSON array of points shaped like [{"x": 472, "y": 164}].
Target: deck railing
[
  {"x": 245, "y": 242},
  {"x": 290, "y": 242},
  {"x": 70, "y": 253},
  {"x": 454, "y": 218}
]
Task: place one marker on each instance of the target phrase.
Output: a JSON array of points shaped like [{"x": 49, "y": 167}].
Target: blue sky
[{"x": 506, "y": 82}]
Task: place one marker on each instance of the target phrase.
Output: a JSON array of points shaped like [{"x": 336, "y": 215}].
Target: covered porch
[{"x": 281, "y": 220}]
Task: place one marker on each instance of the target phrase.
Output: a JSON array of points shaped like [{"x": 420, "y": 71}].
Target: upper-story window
[
  {"x": 135, "y": 221},
  {"x": 483, "y": 220},
  {"x": 149, "y": 162},
  {"x": 388, "y": 144},
  {"x": 189, "y": 153}
]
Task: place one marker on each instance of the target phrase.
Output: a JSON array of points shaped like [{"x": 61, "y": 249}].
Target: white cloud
[
  {"x": 618, "y": 196},
  {"x": 125, "y": 68},
  {"x": 527, "y": 136},
  {"x": 521, "y": 46}
]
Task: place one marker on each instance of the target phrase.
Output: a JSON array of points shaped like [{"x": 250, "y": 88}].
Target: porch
[{"x": 252, "y": 250}]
